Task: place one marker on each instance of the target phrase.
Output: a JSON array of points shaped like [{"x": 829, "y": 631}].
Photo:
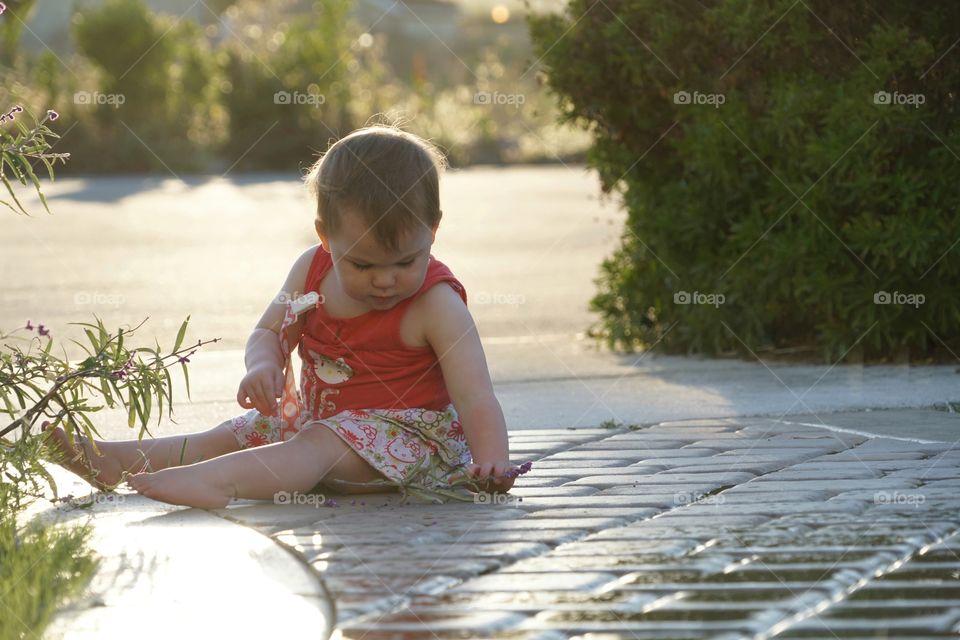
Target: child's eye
[{"x": 364, "y": 267}]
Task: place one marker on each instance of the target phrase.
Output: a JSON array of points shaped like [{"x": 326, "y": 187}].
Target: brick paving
[{"x": 699, "y": 529}]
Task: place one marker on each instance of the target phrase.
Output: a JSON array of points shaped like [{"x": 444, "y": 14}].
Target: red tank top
[{"x": 362, "y": 362}]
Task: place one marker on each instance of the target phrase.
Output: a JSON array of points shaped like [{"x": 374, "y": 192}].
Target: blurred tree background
[
  {"x": 819, "y": 197},
  {"x": 241, "y": 85}
]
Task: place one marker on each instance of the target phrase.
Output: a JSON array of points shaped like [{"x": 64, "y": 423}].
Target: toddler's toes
[{"x": 139, "y": 482}]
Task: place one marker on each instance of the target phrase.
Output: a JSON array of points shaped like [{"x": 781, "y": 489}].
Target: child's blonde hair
[{"x": 389, "y": 177}]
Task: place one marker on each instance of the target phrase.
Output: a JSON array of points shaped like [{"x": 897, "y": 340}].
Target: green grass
[{"x": 41, "y": 566}]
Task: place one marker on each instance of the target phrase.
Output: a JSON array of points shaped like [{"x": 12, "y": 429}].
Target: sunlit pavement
[
  {"x": 729, "y": 526},
  {"x": 725, "y": 528}
]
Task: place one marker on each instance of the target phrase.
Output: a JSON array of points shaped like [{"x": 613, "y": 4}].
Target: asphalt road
[{"x": 526, "y": 243}]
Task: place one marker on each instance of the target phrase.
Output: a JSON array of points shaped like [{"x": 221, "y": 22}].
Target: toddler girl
[{"x": 394, "y": 379}]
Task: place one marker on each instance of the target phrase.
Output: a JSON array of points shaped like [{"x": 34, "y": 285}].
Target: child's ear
[{"x": 322, "y": 236}]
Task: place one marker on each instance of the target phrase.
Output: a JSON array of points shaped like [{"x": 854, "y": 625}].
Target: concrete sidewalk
[
  {"x": 585, "y": 387},
  {"x": 719, "y": 528}
]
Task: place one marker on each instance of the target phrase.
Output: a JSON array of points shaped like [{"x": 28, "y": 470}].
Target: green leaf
[
  {"x": 93, "y": 339},
  {"x": 132, "y": 408},
  {"x": 19, "y": 208},
  {"x": 186, "y": 378},
  {"x": 36, "y": 183},
  {"x": 147, "y": 404},
  {"x": 180, "y": 334},
  {"x": 105, "y": 391},
  {"x": 37, "y": 467},
  {"x": 169, "y": 392}
]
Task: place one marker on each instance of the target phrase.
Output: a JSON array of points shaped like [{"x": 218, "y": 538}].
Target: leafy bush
[
  {"x": 286, "y": 86},
  {"x": 764, "y": 175},
  {"x": 154, "y": 102}
]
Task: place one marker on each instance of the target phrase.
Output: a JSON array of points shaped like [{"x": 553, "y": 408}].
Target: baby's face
[{"x": 373, "y": 276}]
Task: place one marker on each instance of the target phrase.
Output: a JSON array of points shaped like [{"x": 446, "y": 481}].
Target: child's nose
[{"x": 384, "y": 280}]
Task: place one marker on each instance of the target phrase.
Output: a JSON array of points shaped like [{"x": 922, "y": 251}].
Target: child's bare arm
[
  {"x": 449, "y": 329},
  {"x": 264, "y": 358}
]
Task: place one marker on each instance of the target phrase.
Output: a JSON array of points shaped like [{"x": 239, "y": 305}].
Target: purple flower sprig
[
  {"x": 123, "y": 372},
  {"x": 42, "y": 330},
  {"x": 3, "y": 7},
  {"x": 518, "y": 471},
  {"x": 11, "y": 115},
  {"x": 22, "y": 148}
]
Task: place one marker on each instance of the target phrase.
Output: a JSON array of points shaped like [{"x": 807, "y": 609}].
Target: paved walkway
[{"x": 722, "y": 528}]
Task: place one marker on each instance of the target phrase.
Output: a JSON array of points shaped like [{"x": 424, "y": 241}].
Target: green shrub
[
  {"x": 154, "y": 101},
  {"x": 799, "y": 199},
  {"x": 286, "y": 84}
]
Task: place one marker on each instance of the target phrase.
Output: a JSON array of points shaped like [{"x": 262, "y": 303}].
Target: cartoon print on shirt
[{"x": 330, "y": 371}]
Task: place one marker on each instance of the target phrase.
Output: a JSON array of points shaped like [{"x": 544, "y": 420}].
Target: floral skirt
[{"x": 395, "y": 442}]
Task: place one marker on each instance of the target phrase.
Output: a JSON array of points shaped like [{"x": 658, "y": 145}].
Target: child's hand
[
  {"x": 261, "y": 388},
  {"x": 492, "y": 477}
]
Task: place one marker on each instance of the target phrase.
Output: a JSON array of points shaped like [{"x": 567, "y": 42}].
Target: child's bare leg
[
  {"x": 298, "y": 464},
  {"x": 154, "y": 454}
]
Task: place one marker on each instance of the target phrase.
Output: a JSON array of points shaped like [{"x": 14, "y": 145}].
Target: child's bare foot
[
  {"x": 188, "y": 485},
  {"x": 103, "y": 471}
]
